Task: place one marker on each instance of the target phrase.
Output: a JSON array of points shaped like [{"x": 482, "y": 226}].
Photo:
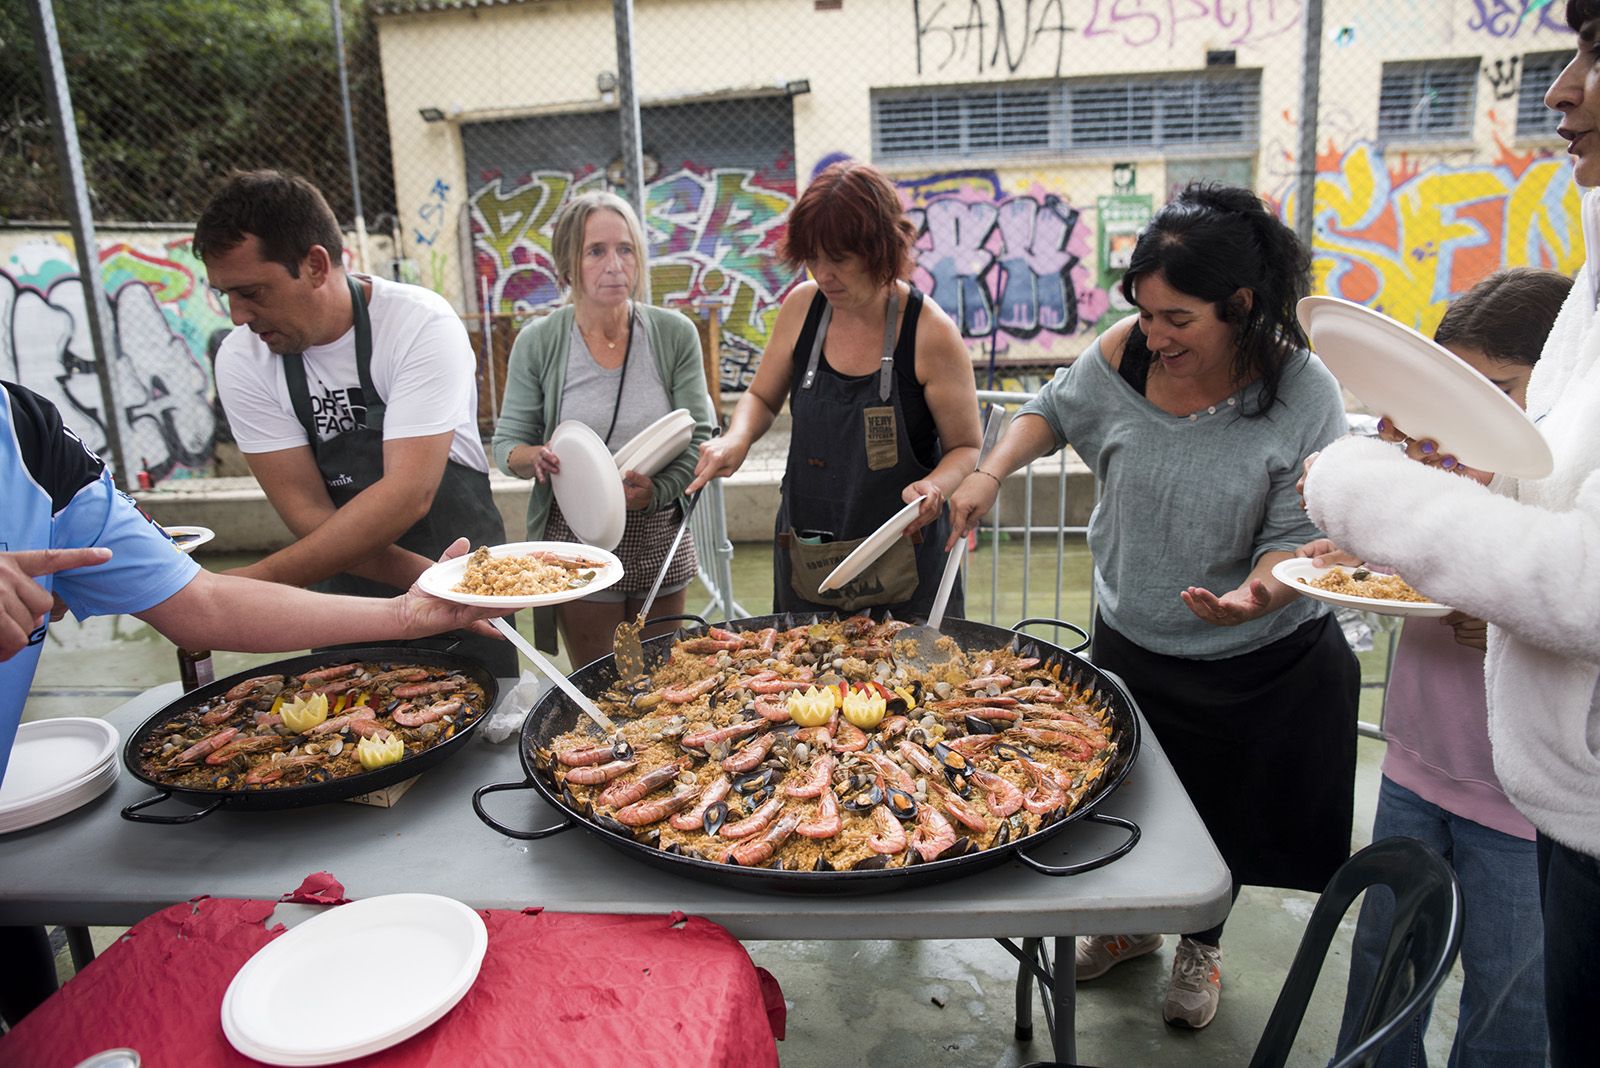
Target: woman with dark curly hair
[
  {"x": 883, "y": 399},
  {"x": 1194, "y": 417}
]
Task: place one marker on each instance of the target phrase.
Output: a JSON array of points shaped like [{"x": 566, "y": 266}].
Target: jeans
[
  {"x": 1501, "y": 1020},
  {"x": 1570, "y": 884}
]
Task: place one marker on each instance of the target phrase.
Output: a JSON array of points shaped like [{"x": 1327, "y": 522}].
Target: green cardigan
[{"x": 538, "y": 371}]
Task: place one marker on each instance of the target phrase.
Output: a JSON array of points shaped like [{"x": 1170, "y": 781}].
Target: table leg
[
  {"x": 80, "y": 945},
  {"x": 1024, "y": 1028},
  {"x": 1064, "y": 995}
]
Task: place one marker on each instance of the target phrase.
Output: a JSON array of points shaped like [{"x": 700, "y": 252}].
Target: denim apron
[
  {"x": 353, "y": 460},
  {"x": 849, "y": 459}
]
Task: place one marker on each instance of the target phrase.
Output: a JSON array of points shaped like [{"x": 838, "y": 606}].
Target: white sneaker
[
  {"x": 1196, "y": 985},
  {"x": 1098, "y": 954}
]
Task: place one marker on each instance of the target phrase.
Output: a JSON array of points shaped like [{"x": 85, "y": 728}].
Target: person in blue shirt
[{"x": 69, "y": 539}]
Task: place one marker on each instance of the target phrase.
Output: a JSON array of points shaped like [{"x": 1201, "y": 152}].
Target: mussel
[
  {"x": 865, "y": 799},
  {"x": 715, "y": 816},
  {"x": 873, "y": 863},
  {"x": 753, "y": 782},
  {"x": 902, "y": 804},
  {"x": 979, "y": 726},
  {"x": 1007, "y": 751}
]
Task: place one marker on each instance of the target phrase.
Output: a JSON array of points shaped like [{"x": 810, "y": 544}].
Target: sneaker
[
  {"x": 1098, "y": 954},
  {"x": 1196, "y": 985}
]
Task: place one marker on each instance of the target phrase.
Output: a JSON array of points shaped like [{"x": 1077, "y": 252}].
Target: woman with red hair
[{"x": 883, "y": 401}]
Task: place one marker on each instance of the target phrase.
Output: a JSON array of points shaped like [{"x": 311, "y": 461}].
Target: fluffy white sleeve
[{"x": 1533, "y": 571}]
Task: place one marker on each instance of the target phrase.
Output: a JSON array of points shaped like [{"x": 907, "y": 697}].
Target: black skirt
[{"x": 1265, "y": 744}]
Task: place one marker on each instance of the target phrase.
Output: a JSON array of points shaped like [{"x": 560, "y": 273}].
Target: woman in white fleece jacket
[{"x": 1525, "y": 555}]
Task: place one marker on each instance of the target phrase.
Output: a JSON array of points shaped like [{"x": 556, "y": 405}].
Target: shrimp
[
  {"x": 682, "y": 695},
  {"x": 1079, "y": 747},
  {"x": 250, "y": 744},
  {"x": 589, "y": 754},
  {"x": 594, "y": 774},
  {"x": 751, "y": 754},
  {"x": 754, "y": 823},
  {"x": 339, "y": 723},
  {"x": 932, "y": 834},
  {"x": 828, "y": 823},
  {"x": 888, "y": 835},
  {"x": 772, "y": 708},
  {"x": 964, "y": 813},
  {"x": 250, "y": 686},
  {"x": 760, "y": 850},
  {"x": 694, "y": 819},
  {"x": 654, "y": 810},
  {"x": 850, "y": 738},
  {"x": 204, "y": 747},
  {"x": 821, "y": 775},
  {"x": 626, "y": 791},
  {"x": 712, "y": 735},
  {"x": 1001, "y": 794},
  {"x": 1046, "y": 794},
  {"x": 423, "y": 689}
]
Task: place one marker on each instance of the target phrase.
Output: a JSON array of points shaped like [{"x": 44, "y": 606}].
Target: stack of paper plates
[
  {"x": 658, "y": 444},
  {"x": 56, "y": 766},
  {"x": 399, "y": 963}
]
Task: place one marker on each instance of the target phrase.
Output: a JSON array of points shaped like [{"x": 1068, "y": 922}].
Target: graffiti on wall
[
  {"x": 1007, "y": 267},
  {"x": 162, "y": 319},
  {"x": 1512, "y": 18},
  {"x": 983, "y": 36},
  {"x": 1408, "y": 240},
  {"x": 713, "y": 234}
]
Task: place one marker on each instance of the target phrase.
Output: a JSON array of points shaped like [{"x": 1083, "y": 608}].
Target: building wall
[{"x": 1009, "y": 245}]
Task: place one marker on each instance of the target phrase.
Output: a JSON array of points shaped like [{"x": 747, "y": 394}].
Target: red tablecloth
[{"x": 555, "y": 988}]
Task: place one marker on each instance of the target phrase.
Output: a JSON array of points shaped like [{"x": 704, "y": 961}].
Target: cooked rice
[
  {"x": 1371, "y": 586},
  {"x": 515, "y": 576}
]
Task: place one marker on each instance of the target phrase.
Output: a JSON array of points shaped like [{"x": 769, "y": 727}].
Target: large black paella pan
[
  {"x": 555, "y": 716},
  {"x": 309, "y": 785}
]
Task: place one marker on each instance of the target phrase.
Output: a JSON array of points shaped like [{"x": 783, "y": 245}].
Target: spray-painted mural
[
  {"x": 713, "y": 240},
  {"x": 1408, "y": 240},
  {"x": 162, "y": 318},
  {"x": 1007, "y": 267}
]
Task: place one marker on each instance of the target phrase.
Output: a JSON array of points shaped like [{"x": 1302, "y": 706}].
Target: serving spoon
[{"x": 627, "y": 651}]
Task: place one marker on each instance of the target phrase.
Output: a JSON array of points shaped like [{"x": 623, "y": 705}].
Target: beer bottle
[{"x": 195, "y": 669}]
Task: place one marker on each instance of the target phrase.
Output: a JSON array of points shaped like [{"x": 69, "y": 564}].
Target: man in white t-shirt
[{"x": 352, "y": 398}]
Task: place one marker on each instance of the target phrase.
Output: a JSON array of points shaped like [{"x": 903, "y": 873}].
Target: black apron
[
  {"x": 352, "y": 460},
  {"x": 849, "y": 459},
  {"x": 1264, "y": 743}
]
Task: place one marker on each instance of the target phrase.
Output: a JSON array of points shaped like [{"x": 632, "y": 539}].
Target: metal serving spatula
[{"x": 927, "y": 634}]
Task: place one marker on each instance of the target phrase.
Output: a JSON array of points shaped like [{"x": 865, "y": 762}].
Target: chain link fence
[{"x": 1031, "y": 140}]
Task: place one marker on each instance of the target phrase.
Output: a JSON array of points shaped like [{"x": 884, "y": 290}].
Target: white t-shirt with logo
[{"x": 422, "y": 365}]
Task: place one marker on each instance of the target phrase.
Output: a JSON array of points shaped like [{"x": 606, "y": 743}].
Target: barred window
[
  {"x": 1539, "y": 69},
  {"x": 1086, "y": 114},
  {"x": 1432, "y": 100}
]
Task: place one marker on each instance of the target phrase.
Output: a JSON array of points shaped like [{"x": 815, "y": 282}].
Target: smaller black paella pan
[
  {"x": 239, "y": 771},
  {"x": 554, "y": 718}
]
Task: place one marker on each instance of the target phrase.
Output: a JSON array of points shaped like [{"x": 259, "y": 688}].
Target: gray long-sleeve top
[{"x": 1191, "y": 500}]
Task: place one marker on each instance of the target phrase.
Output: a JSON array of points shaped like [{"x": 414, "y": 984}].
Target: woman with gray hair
[{"x": 618, "y": 365}]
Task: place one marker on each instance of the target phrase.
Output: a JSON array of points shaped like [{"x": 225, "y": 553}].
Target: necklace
[{"x": 591, "y": 334}]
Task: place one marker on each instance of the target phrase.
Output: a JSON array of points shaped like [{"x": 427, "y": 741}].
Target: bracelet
[{"x": 981, "y": 471}]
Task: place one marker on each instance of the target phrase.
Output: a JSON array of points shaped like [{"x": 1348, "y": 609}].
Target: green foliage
[{"x": 170, "y": 95}]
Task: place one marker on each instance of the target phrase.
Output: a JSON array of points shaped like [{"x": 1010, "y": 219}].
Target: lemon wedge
[
  {"x": 812, "y": 708},
  {"x": 864, "y": 709},
  {"x": 301, "y": 714},
  {"x": 375, "y": 754}
]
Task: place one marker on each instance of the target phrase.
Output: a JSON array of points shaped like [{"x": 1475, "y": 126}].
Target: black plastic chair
[{"x": 1422, "y": 947}]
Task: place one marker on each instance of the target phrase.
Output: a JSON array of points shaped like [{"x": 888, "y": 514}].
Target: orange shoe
[
  {"x": 1098, "y": 954},
  {"x": 1196, "y": 985}
]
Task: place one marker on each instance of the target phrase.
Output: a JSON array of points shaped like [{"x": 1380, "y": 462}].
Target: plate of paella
[
  {"x": 1356, "y": 587},
  {"x": 523, "y": 574}
]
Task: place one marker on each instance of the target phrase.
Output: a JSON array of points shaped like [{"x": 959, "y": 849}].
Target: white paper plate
[
  {"x": 1296, "y": 571},
  {"x": 354, "y": 980},
  {"x": 588, "y": 487},
  {"x": 662, "y": 450},
  {"x": 52, "y": 757},
  {"x": 441, "y": 579},
  {"x": 74, "y": 797},
  {"x": 188, "y": 539},
  {"x": 1426, "y": 390},
  {"x": 676, "y": 417},
  {"x": 876, "y": 545}
]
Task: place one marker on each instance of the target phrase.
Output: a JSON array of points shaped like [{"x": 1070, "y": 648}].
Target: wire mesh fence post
[
  {"x": 363, "y": 263},
  {"x": 628, "y": 111},
  {"x": 58, "y": 97},
  {"x": 1305, "y": 216}
]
